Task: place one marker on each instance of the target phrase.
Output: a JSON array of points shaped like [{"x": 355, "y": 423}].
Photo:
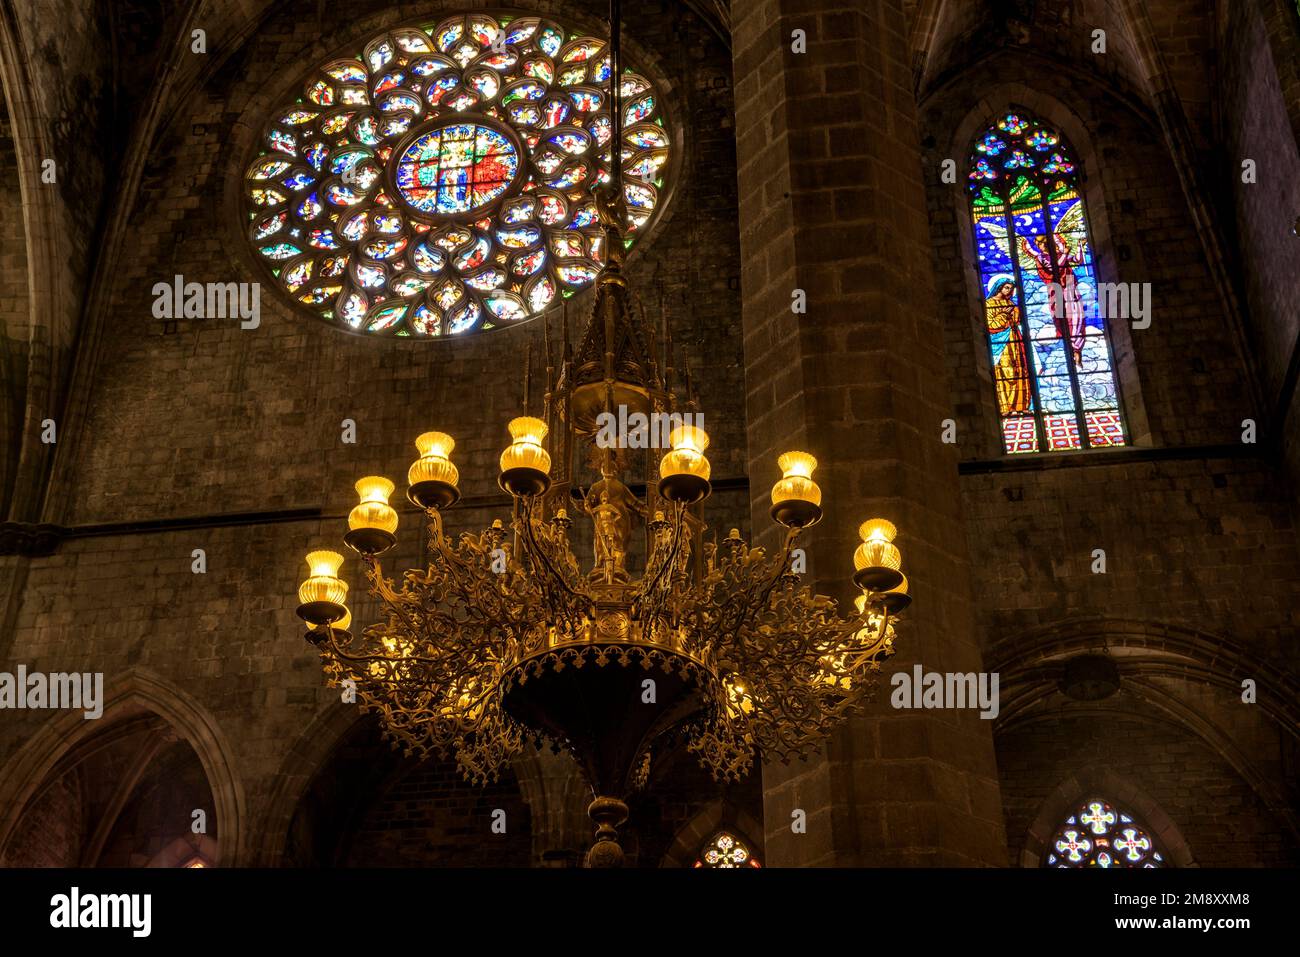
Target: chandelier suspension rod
[{"x": 616, "y": 97}]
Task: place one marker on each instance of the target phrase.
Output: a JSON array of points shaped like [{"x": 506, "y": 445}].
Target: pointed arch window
[
  {"x": 1053, "y": 370},
  {"x": 726, "y": 849},
  {"x": 1097, "y": 834}
]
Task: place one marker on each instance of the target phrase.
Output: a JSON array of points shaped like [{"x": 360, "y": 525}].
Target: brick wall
[
  {"x": 832, "y": 204},
  {"x": 14, "y": 308},
  {"x": 431, "y": 815},
  {"x": 1254, "y": 125},
  {"x": 63, "y": 94},
  {"x": 53, "y": 833}
]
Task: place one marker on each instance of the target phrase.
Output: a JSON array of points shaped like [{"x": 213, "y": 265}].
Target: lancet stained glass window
[
  {"x": 1099, "y": 835},
  {"x": 440, "y": 181},
  {"x": 1051, "y": 355},
  {"x": 725, "y": 849}
]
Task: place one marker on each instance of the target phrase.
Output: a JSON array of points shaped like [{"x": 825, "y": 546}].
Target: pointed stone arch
[
  {"x": 135, "y": 690},
  {"x": 1106, "y": 782},
  {"x": 717, "y": 816},
  {"x": 308, "y": 754}
]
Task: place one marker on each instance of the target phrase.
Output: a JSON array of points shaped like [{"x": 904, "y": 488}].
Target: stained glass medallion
[
  {"x": 1051, "y": 356},
  {"x": 456, "y": 167},
  {"x": 440, "y": 182},
  {"x": 1097, "y": 834},
  {"x": 725, "y": 849}
]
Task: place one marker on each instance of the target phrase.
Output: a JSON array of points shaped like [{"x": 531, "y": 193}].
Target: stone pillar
[
  {"x": 557, "y": 798},
  {"x": 831, "y": 203}
]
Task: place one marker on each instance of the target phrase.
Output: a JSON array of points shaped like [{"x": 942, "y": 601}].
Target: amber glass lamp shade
[
  {"x": 877, "y": 559},
  {"x": 796, "y": 498},
  {"x": 432, "y": 478},
  {"x": 373, "y": 521},
  {"x": 525, "y": 465},
  {"x": 323, "y": 593},
  {"x": 684, "y": 471}
]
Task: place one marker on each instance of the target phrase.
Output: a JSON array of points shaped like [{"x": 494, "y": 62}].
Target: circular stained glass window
[{"x": 441, "y": 181}]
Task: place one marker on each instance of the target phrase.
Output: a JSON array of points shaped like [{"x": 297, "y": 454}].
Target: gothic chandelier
[{"x": 504, "y": 638}]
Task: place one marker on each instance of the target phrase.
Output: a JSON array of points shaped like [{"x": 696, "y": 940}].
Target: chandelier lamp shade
[
  {"x": 432, "y": 478},
  {"x": 663, "y": 634}
]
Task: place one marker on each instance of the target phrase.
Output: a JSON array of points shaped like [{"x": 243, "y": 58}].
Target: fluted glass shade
[
  {"x": 796, "y": 482},
  {"x": 688, "y": 443},
  {"x": 374, "y": 510},
  {"x": 877, "y": 559},
  {"x": 434, "y": 463},
  {"x": 877, "y": 549},
  {"x": 323, "y": 585},
  {"x": 525, "y": 450}
]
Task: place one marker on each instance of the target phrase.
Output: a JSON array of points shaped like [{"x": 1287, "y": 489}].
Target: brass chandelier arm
[
  {"x": 746, "y": 604},
  {"x": 400, "y": 601},
  {"x": 778, "y": 569},
  {"x": 380, "y": 587},
  {"x": 647, "y": 594},
  {"x": 577, "y": 603},
  {"x": 476, "y": 587},
  {"x": 538, "y": 553}
]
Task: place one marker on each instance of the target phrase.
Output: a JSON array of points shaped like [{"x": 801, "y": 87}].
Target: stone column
[
  {"x": 557, "y": 797},
  {"x": 831, "y": 203}
]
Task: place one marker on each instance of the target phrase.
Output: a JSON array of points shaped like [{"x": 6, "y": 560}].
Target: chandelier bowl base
[
  {"x": 321, "y": 612},
  {"x": 606, "y": 704},
  {"x": 432, "y": 494},
  {"x": 369, "y": 541},
  {"x": 684, "y": 488},
  {"x": 796, "y": 514},
  {"x": 878, "y": 578},
  {"x": 524, "y": 482}
]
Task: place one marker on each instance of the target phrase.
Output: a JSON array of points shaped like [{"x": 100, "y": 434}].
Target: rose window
[{"x": 441, "y": 182}]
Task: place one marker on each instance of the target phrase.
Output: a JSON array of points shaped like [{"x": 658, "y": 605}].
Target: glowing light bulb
[
  {"x": 877, "y": 559},
  {"x": 525, "y": 464},
  {"x": 323, "y": 593},
  {"x": 373, "y": 521},
  {"x": 796, "y": 498},
  {"x": 684, "y": 471},
  {"x": 432, "y": 479},
  {"x": 374, "y": 510},
  {"x": 739, "y": 702}
]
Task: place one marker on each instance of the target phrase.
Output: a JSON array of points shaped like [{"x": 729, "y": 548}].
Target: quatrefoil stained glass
[
  {"x": 726, "y": 850},
  {"x": 1099, "y": 835},
  {"x": 441, "y": 181}
]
